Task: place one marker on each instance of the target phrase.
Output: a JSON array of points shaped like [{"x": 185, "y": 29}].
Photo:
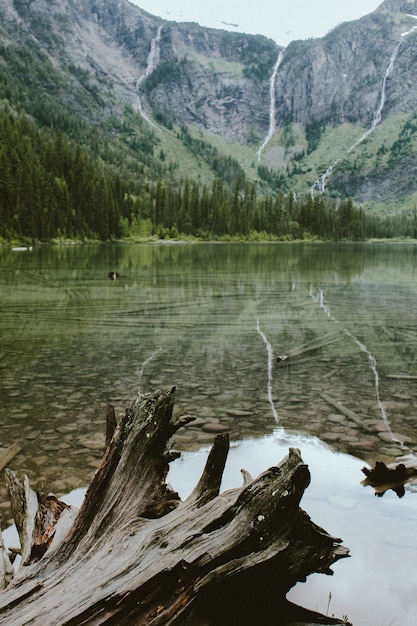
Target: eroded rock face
[
  {"x": 340, "y": 75},
  {"x": 112, "y": 54},
  {"x": 223, "y": 85}
]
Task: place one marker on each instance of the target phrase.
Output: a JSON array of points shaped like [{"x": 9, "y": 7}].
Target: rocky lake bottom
[{"x": 313, "y": 346}]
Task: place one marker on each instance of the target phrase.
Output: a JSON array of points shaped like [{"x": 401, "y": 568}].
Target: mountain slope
[
  {"x": 361, "y": 78},
  {"x": 183, "y": 101}
]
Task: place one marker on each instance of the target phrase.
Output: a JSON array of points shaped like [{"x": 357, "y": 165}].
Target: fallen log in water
[
  {"x": 136, "y": 554},
  {"x": 347, "y": 412},
  {"x": 385, "y": 477},
  {"x": 9, "y": 454},
  {"x": 311, "y": 346}
]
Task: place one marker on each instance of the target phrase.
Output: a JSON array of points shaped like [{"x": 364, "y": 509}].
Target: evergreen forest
[
  {"x": 81, "y": 161},
  {"x": 52, "y": 187}
]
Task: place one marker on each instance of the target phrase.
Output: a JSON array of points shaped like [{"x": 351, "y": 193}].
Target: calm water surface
[{"x": 269, "y": 342}]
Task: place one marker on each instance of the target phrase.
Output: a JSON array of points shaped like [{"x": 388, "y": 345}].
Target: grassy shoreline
[{"x": 29, "y": 245}]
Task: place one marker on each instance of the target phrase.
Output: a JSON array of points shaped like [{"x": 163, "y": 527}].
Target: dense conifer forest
[
  {"x": 88, "y": 151},
  {"x": 52, "y": 187}
]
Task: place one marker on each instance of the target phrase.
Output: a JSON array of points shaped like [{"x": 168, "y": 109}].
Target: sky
[{"x": 281, "y": 20}]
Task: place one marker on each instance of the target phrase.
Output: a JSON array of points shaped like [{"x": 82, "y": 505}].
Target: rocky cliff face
[
  {"x": 326, "y": 92},
  {"x": 214, "y": 81},
  {"x": 341, "y": 75},
  {"x": 198, "y": 74}
]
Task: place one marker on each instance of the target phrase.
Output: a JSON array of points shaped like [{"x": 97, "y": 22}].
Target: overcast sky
[{"x": 282, "y": 20}]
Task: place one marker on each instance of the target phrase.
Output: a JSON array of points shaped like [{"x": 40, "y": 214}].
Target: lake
[{"x": 313, "y": 345}]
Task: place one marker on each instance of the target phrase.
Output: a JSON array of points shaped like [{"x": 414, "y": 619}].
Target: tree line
[{"x": 51, "y": 187}]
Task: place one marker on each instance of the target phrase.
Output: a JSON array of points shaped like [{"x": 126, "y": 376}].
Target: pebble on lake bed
[
  {"x": 95, "y": 442},
  {"x": 216, "y": 428}
]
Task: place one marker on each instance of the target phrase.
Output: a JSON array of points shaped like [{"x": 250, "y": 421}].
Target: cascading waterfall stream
[
  {"x": 378, "y": 113},
  {"x": 319, "y": 298},
  {"x": 320, "y": 184},
  {"x": 270, "y": 361},
  {"x": 151, "y": 64},
  {"x": 272, "y": 107}
]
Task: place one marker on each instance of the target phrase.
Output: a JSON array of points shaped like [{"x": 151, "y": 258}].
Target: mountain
[
  {"x": 353, "y": 96},
  {"x": 175, "y": 100}
]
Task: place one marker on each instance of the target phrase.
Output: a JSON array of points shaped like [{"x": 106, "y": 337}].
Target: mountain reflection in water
[{"x": 319, "y": 340}]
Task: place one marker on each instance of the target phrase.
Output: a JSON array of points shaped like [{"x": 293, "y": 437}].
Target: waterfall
[
  {"x": 378, "y": 113},
  {"x": 270, "y": 361},
  {"x": 272, "y": 107},
  {"x": 320, "y": 184},
  {"x": 151, "y": 64}
]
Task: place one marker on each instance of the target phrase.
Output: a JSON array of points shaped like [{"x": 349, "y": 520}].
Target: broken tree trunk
[{"x": 135, "y": 554}]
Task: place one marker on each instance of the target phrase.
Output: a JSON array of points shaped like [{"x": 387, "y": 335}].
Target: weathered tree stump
[{"x": 136, "y": 554}]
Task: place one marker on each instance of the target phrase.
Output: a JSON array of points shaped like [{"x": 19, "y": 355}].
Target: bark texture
[{"x": 136, "y": 554}]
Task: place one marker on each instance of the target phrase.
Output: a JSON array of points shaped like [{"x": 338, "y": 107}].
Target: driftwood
[
  {"x": 311, "y": 346},
  {"x": 9, "y": 454},
  {"x": 385, "y": 477},
  {"x": 347, "y": 412},
  {"x": 136, "y": 554},
  {"x": 402, "y": 376}
]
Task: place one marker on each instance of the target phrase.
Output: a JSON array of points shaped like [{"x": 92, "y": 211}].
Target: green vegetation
[
  {"x": 76, "y": 163},
  {"x": 314, "y": 131},
  {"x": 168, "y": 74},
  {"x": 276, "y": 180},
  {"x": 22, "y": 6},
  {"x": 259, "y": 54},
  {"x": 222, "y": 166},
  {"x": 404, "y": 146},
  {"x": 50, "y": 187}
]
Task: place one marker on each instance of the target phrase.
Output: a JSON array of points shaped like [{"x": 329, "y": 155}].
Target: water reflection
[
  {"x": 384, "y": 478},
  {"x": 376, "y": 585},
  {"x": 190, "y": 316}
]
